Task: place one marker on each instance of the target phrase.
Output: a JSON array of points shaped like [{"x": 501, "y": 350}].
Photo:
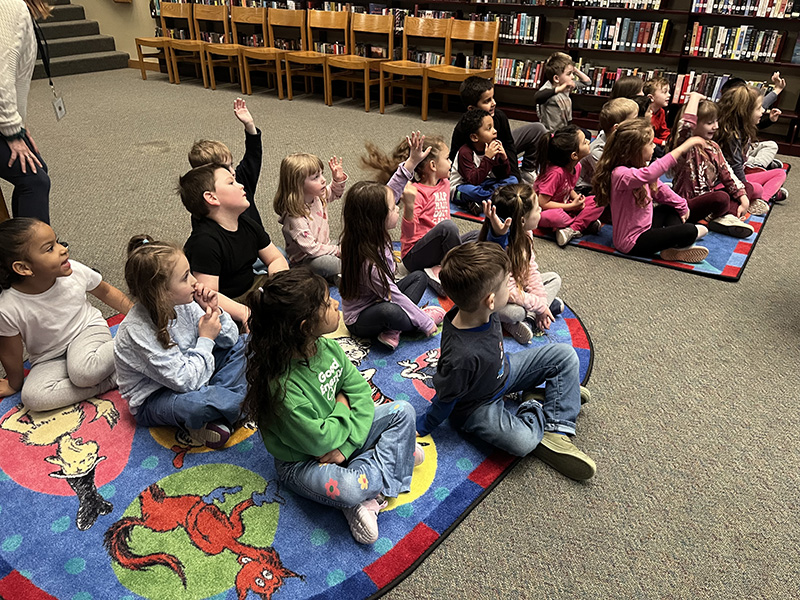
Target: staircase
[{"x": 76, "y": 45}]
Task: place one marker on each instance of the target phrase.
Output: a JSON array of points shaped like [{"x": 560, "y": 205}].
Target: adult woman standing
[{"x": 20, "y": 161}]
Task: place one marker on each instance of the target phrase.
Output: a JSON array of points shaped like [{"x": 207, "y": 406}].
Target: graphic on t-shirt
[
  {"x": 203, "y": 524},
  {"x": 421, "y": 371},
  {"x": 32, "y": 442}
]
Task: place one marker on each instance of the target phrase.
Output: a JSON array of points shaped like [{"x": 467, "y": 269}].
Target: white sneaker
[
  {"x": 691, "y": 254},
  {"x": 520, "y": 331},
  {"x": 730, "y": 225},
  {"x": 563, "y": 236},
  {"x": 363, "y": 520},
  {"x": 702, "y": 231},
  {"x": 758, "y": 207},
  {"x": 419, "y": 454}
]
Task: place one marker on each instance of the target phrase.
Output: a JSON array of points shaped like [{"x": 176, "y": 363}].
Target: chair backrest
[
  {"x": 244, "y": 15},
  {"x": 177, "y": 10},
  {"x": 477, "y": 31},
  {"x": 335, "y": 20},
  {"x": 380, "y": 24},
  {"x": 427, "y": 28},
  {"x": 282, "y": 17},
  {"x": 204, "y": 13}
]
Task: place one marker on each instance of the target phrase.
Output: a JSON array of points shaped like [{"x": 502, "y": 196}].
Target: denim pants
[
  {"x": 382, "y": 465},
  {"x": 556, "y": 365},
  {"x": 219, "y": 400},
  {"x": 466, "y": 192}
]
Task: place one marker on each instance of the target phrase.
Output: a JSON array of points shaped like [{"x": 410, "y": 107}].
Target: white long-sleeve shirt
[{"x": 17, "y": 59}]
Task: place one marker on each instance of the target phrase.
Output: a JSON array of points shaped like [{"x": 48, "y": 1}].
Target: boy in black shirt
[
  {"x": 477, "y": 92},
  {"x": 474, "y": 372},
  {"x": 224, "y": 242}
]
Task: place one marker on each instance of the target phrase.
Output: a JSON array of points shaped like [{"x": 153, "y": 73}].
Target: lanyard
[{"x": 44, "y": 51}]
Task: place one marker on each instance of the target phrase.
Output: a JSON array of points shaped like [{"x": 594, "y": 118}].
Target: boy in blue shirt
[{"x": 474, "y": 373}]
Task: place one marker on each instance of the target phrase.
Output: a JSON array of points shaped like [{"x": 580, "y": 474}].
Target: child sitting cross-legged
[
  {"x": 474, "y": 373},
  {"x": 315, "y": 411},
  {"x": 481, "y": 164},
  {"x": 224, "y": 243},
  {"x": 180, "y": 359}
]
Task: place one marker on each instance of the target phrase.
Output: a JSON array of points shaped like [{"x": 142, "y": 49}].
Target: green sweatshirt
[{"x": 312, "y": 423}]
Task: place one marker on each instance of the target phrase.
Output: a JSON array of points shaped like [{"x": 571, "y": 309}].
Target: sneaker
[
  {"x": 702, "y": 231},
  {"x": 419, "y": 455},
  {"x": 730, "y": 225},
  {"x": 538, "y": 394},
  {"x": 211, "y": 435},
  {"x": 433, "y": 280},
  {"x": 775, "y": 164},
  {"x": 390, "y": 338},
  {"x": 563, "y": 236},
  {"x": 474, "y": 209},
  {"x": 692, "y": 254},
  {"x": 593, "y": 228},
  {"x": 363, "y": 520},
  {"x": 559, "y": 452},
  {"x": 436, "y": 313},
  {"x": 781, "y": 195},
  {"x": 758, "y": 207},
  {"x": 520, "y": 331},
  {"x": 556, "y": 306}
]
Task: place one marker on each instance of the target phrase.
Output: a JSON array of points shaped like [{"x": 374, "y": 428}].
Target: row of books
[
  {"x": 603, "y": 77},
  {"x": 520, "y": 28},
  {"x": 212, "y": 37},
  {"x": 370, "y": 51},
  {"x": 632, "y": 4},
  {"x": 255, "y": 40},
  {"x": 427, "y": 58},
  {"x": 621, "y": 34},
  {"x": 774, "y": 9},
  {"x": 738, "y": 43},
  {"x": 175, "y": 34},
  {"x": 518, "y": 72},
  {"x": 330, "y": 47}
]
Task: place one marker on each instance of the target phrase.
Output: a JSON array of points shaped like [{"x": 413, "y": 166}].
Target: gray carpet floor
[{"x": 696, "y": 488}]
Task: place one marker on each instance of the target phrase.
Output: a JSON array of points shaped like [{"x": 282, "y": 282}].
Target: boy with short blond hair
[
  {"x": 553, "y": 103},
  {"x": 224, "y": 242},
  {"x": 657, "y": 90},
  {"x": 474, "y": 373},
  {"x": 249, "y": 169}
]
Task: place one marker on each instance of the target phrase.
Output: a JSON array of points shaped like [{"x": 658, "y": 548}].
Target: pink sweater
[
  {"x": 630, "y": 220},
  {"x": 431, "y": 208},
  {"x": 309, "y": 236},
  {"x": 532, "y": 295}
]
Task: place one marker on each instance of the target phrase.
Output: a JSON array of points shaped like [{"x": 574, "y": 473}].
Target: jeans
[
  {"x": 219, "y": 400},
  {"x": 382, "y": 465},
  {"x": 31, "y": 195},
  {"x": 519, "y": 433},
  {"x": 466, "y": 192},
  {"x": 384, "y": 316}
]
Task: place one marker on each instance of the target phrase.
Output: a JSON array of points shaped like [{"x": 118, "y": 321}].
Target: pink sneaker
[
  {"x": 389, "y": 338},
  {"x": 419, "y": 455},
  {"x": 363, "y": 520},
  {"x": 436, "y": 313}
]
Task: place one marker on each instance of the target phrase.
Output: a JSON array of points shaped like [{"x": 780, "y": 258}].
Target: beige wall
[{"x": 123, "y": 21}]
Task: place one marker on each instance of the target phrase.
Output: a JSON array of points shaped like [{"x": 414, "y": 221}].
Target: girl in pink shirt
[
  {"x": 301, "y": 203},
  {"x": 624, "y": 180},
  {"x": 558, "y": 164},
  {"x": 426, "y": 233}
]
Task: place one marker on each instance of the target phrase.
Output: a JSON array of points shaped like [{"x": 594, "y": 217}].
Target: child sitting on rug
[
  {"x": 224, "y": 243},
  {"x": 564, "y": 210},
  {"x": 657, "y": 91},
  {"x": 703, "y": 176},
  {"x": 374, "y": 306},
  {"x": 481, "y": 164},
  {"x": 624, "y": 180},
  {"x": 426, "y": 232},
  {"x": 248, "y": 170},
  {"x": 180, "y": 359},
  {"x": 315, "y": 411},
  {"x": 474, "y": 373},
  {"x": 43, "y": 305},
  {"x": 301, "y": 203},
  {"x": 515, "y": 211}
]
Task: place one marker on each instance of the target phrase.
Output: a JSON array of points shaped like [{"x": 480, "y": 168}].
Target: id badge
[{"x": 58, "y": 106}]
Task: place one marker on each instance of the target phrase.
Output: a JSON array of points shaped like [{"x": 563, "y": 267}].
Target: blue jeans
[
  {"x": 466, "y": 192},
  {"x": 219, "y": 400},
  {"x": 556, "y": 365},
  {"x": 382, "y": 465}
]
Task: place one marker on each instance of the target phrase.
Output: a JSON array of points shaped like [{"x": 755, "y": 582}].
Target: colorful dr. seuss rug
[{"x": 94, "y": 508}]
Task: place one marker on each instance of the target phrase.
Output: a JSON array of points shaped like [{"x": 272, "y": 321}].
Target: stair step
[
  {"x": 80, "y": 45},
  {"x": 65, "y": 12},
  {"x": 53, "y": 31},
  {"x": 83, "y": 63},
  {"x": 58, "y": 2}
]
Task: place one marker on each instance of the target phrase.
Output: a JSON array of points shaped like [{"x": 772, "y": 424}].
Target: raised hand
[
  {"x": 778, "y": 82},
  {"x": 499, "y": 228},
  {"x": 416, "y": 154},
  {"x": 243, "y": 114},
  {"x": 336, "y": 169}
]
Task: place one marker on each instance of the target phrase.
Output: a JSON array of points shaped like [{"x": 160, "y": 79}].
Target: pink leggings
[
  {"x": 556, "y": 218},
  {"x": 766, "y": 183}
]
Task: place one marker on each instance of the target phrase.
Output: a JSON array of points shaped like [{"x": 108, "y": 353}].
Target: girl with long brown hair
[{"x": 625, "y": 179}]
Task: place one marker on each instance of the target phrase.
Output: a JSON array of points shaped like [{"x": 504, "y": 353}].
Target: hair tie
[
  {"x": 144, "y": 241},
  {"x": 260, "y": 289}
]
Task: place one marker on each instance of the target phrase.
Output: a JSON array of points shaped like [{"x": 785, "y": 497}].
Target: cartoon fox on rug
[{"x": 209, "y": 529}]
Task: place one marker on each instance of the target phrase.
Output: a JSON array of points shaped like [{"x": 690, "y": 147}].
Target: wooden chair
[
  {"x": 169, "y": 10},
  {"x": 270, "y": 58},
  {"x": 192, "y": 47},
  {"x": 335, "y": 21},
  {"x": 203, "y": 15},
  {"x": 414, "y": 27},
  {"x": 361, "y": 68},
  {"x": 240, "y": 15},
  {"x": 461, "y": 31}
]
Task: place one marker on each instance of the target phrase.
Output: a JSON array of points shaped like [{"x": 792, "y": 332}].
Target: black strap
[{"x": 44, "y": 52}]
